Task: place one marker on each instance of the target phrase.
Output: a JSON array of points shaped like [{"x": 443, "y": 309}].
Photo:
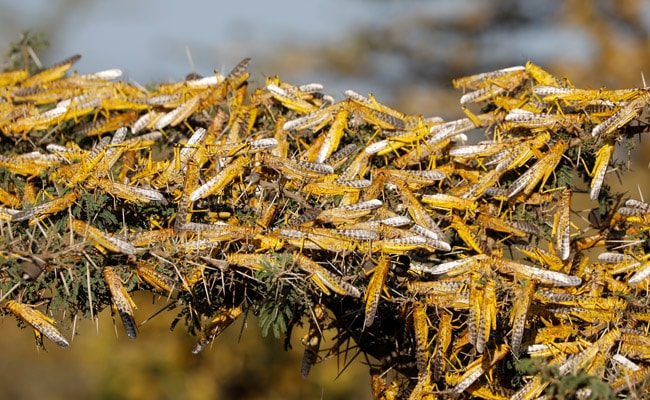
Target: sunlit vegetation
[{"x": 448, "y": 255}]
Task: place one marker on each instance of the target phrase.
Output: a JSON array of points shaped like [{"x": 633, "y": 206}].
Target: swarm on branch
[{"x": 435, "y": 259}]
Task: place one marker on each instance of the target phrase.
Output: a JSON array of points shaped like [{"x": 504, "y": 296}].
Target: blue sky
[{"x": 147, "y": 38}]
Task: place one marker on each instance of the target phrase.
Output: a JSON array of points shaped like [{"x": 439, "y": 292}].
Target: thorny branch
[{"x": 426, "y": 245}]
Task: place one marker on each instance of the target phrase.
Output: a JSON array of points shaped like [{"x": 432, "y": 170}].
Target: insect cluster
[{"x": 442, "y": 262}]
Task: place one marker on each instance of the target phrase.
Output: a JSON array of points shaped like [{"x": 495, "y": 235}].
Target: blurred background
[{"x": 404, "y": 52}]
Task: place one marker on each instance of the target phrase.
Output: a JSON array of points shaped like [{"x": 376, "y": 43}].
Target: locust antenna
[
  {"x": 643, "y": 80},
  {"x": 188, "y": 53}
]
